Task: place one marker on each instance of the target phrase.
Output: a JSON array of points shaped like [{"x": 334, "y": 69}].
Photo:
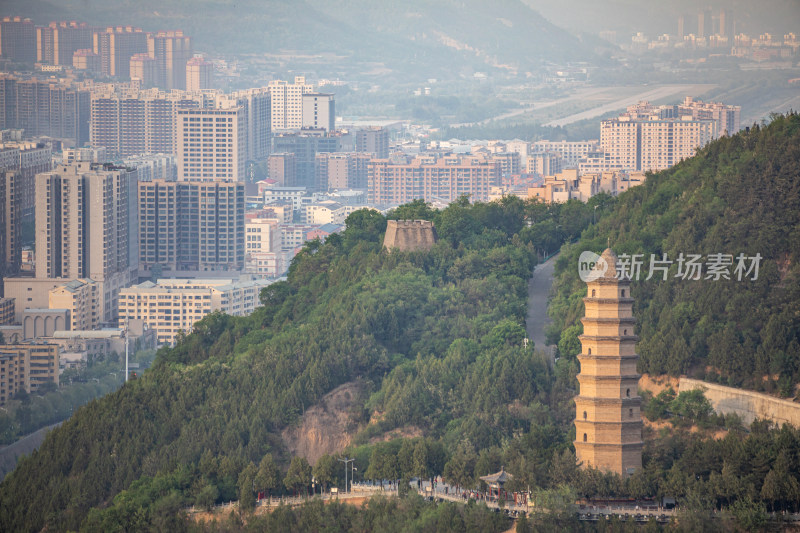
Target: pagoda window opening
[
  {"x": 623, "y": 293},
  {"x": 584, "y": 437},
  {"x": 590, "y": 351},
  {"x": 584, "y": 415},
  {"x": 628, "y": 393},
  {"x": 593, "y": 291}
]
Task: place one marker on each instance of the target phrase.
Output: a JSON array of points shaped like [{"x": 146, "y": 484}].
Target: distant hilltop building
[
  {"x": 410, "y": 235},
  {"x": 608, "y": 419}
]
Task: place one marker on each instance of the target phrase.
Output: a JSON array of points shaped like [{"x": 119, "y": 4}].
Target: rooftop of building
[{"x": 88, "y": 334}]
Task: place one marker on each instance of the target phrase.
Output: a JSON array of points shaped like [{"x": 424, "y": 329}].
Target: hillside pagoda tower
[{"x": 608, "y": 409}]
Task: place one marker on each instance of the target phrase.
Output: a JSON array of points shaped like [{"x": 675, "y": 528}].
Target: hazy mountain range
[{"x": 417, "y": 37}]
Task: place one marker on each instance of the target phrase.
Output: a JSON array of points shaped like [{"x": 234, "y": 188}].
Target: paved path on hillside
[
  {"x": 538, "y": 293},
  {"x": 9, "y": 455}
]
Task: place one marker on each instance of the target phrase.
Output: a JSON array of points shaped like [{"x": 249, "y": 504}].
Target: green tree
[
  {"x": 324, "y": 471},
  {"x": 207, "y": 497},
  {"x": 246, "y": 485},
  {"x": 268, "y": 476},
  {"x": 298, "y": 476}
]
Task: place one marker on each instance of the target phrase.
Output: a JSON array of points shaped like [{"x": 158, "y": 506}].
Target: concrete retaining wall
[{"x": 748, "y": 405}]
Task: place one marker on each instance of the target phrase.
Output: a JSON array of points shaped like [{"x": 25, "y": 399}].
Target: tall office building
[
  {"x": 319, "y": 111},
  {"x": 305, "y": 146},
  {"x": 86, "y": 227},
  {"x": 115, "y": 46},
  {"x": 608, "y": 418},
  {"x": 212, "y": 144},
  {"x": 374, "y": 140},
  {"x": 18, "y": 39},
  {"x": 57, "y": 43},
  {"x": 191, "y": 226},
  {"x": 287, "y": 103},
  {"x": 171, "y": 50},
  {"x": 199, "y": 74},
  {"x": 129, "y": 122},
  {"x": 431, "y": 178}
]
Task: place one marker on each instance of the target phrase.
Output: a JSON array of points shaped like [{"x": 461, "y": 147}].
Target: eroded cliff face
[{"x": 327, "y": 427}]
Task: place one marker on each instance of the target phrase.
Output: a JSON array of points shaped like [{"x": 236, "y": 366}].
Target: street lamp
[
  {"x": 126, "y": 350},
  {"x": 345, "y": 461}
]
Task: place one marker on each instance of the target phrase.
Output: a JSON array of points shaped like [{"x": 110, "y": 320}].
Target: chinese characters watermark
[{"x": 713, "y": 267}]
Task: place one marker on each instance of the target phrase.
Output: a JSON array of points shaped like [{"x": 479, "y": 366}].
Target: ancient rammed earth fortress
[{"x": 410, "y": 235}]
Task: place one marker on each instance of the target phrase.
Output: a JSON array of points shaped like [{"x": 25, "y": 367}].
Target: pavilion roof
[{"x": 497, "y": 479}]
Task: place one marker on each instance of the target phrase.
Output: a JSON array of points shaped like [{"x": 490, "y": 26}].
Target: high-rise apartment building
[
  {"x": 199, "y": 74},
  {"x": 57, "y": 43},
  {"x": 256, "y": 107},
  {"x": 305, "y": 145},
  {"x": 287, "y": 103},
  {"x": 45, "y": 108},
  {"x": 26, "y": 367},
  {"x": 212, "y": 144},
  {"x": 151, "y": 167},
  {"x": 18, "y": 39},
  {"x": 144, "y": 70},
  {"x": 650, "y": 138},
  {"x": 28, "y": 159},
  {"x": 87, "y": 59},
  {"x": 544, "y": 164},
  {"x": 570, "y": 152},
  {"x": 373, "y": 140},
  {"x": 191, "y": 226},
  {"x": 171, "y": 50},
  {"x": 11, "y": 222},
  {"x": 86, "y": 227},
  {"x": 319, "y": 111},
  {"x": 608, "y": 418},
  {"x": 282, "y": 168},
  {"x": 129, "y": 122},
  {"x": 115, "y": 46},
  {"x": 431, "y": 178},
  {"x": 705, "y": 24},
  {"x": 342, "y": 170}
]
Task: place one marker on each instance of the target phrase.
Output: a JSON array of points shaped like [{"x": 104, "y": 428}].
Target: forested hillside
[
  {"x": 437, "y": 338},
  {"x": 739, "y": 195}
]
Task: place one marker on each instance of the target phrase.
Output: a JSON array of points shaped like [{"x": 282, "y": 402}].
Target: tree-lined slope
[
  {"x": 436, "y": 338},
  {"x": 739, "y": 195}
]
